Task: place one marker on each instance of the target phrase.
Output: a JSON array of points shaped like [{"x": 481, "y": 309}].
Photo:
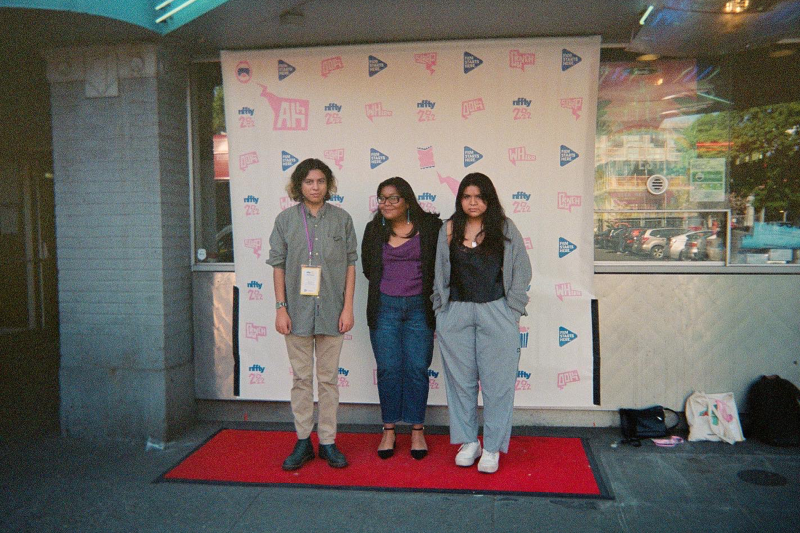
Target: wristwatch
[{"x": 278, "y": 305}]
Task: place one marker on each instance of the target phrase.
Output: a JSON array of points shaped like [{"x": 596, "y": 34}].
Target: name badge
[{"x": 310, "y": 277}]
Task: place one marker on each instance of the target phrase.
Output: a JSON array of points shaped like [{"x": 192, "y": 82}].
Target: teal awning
[{"x": 139, "y": 12}]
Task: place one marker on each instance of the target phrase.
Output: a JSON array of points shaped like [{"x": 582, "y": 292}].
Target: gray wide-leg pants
[{"x": 479, "y": 341}]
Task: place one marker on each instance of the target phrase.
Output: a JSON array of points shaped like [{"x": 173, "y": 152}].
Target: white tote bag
[{"x": 713, "y": 417}]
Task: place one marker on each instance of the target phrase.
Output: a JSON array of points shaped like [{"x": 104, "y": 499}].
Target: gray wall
[{"x": 122, "y": 219}]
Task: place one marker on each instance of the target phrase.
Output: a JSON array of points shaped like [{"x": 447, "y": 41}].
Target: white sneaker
[
  {"x": 467, "y": 453},
  {"x": 489, "y": 462}
]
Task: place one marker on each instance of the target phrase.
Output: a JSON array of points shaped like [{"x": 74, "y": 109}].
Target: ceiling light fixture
[
  {"x": 781, "y": 52},
  {"x": 646, "y": 14},
  {"x": 736, "y": 6},
  {"x": 647, "y": 57},
  {"x": 167, "y": 15}
]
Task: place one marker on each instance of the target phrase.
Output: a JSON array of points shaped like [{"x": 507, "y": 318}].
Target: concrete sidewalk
[{"x": 52, "y": 483}]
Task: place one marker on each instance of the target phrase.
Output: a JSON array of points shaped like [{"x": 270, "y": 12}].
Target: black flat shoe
[
  {"x": 418, "y": 454},
  {"x": 385, "y": 454},
  {"x": 330, "y": 453},
  {"x": 303, "y": 452}
]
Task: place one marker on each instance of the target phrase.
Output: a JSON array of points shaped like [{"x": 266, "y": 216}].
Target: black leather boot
[
  {"x": 330, "y": 453},
  {"x": 303, "y": 452}
]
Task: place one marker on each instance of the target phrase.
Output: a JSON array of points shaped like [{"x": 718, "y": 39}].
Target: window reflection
[
  {"x": 212, "y": 204},
  {"x": 682, "y": 174}
]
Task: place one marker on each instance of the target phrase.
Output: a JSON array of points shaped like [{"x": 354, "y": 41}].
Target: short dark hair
[{"x": 301, "y": 171}]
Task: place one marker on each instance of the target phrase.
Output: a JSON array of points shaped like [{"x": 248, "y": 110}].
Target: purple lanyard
[{"x": 309, "y": 238}]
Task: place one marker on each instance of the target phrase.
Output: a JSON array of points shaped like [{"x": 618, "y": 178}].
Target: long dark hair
[
  {"x": 301, "y": 171},
  {"x": 493, "y": 219},
  {"x": 405, "y": 192}
]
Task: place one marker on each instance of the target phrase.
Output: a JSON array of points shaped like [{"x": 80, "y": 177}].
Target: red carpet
[{"x": 534, "y": 465}]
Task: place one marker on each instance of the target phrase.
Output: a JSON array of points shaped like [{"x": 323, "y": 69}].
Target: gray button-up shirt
[{"x": 334, "y": 249}]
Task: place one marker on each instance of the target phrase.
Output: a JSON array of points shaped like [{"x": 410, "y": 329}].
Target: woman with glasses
[
  {"x": 479, "y": 294},
  {"x": 398, "y": 255}
]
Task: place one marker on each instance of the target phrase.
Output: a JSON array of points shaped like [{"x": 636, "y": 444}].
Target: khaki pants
[{"x": 301, "y": 356}]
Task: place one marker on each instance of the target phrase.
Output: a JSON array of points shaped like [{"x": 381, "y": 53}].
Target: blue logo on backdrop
[
  {"x": 284, "y": 70},
  {"x": 375, "y": 65},
  {"x": 471, "y": 62},
  {"x": 471, "y": 156},
  {"x": 523, "y": 337},
  {"x": 567, "y": 155},
  {"x": 376, "y": 158},
  {"x": 565, "y": 247},
  {"x": 565, "y": 336},
  {"x": 568, "y": 59},
  {"x": 288, "y": 160},
  {"x": 426, "y": 196},
  {"x": 337, "y": 198}
]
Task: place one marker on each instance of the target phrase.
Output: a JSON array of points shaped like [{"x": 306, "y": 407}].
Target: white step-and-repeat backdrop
[{"x": 520, "y": 111}]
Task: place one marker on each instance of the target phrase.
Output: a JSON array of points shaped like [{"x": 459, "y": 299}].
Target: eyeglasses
[{"x": 391, "y": 200}]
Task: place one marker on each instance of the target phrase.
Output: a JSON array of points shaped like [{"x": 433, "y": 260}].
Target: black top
[
  {"x": 372, "y": 262},
  {"x": 475, "y": 277}
]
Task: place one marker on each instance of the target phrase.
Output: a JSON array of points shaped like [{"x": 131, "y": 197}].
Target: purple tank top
[{"x": 402, "y": 269}]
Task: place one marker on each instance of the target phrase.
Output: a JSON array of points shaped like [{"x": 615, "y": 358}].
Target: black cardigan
[{"x": 372, "y": 261}]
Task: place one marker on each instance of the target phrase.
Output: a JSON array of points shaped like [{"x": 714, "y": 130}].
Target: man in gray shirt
[{"x": 313, "y": 255}]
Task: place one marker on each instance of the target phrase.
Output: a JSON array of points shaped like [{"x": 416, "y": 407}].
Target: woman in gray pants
[{"x": 479, "y": 292}]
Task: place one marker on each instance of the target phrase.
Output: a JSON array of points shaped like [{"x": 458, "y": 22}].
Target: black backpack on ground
[{"x": 773, "y": 408}]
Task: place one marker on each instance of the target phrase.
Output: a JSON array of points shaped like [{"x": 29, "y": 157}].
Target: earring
[
  {"x": 408, "y": 216},
  {"x": 383, "y": 221}
]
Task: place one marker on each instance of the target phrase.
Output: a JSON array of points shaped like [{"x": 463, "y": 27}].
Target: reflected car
[
  {"x": 711, "y": 247},
  {"x": 684, "y": 247},
  {"x": 607, "y": 239},
  {"x": 625, "y": 239},
  {"x": 654, "y": 241}
]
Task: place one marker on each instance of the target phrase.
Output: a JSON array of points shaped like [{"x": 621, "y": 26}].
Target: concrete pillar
[{"x": 123, "y": 240}]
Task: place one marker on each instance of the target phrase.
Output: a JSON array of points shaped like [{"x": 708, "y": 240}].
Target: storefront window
[
  {"x": 679, "y": 156},
  {"x": 213, "y": 232}
]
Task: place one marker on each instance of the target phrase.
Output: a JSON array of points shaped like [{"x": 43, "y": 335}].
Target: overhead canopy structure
[{"x": 160, "y": 16}]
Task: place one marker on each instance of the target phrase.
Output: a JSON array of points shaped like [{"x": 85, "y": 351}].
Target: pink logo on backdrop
[
  {"x": 517, "y": 59},
  {"x": 428, "y": 59},
  {"x": 373, "y": 203},
  {"x": 568, "y": 201},
  {"x": 565, "y": 378},
  {"x": 254, "y": 331},
  {"x": 565, "y": 290},
  {"x": 286, "y": 203},
  {"x": 432, "y": 379},
  {"x": 255, "y": 245},
  {"x": 528, "y": 243},
  {"x": 245, "y": 160},
  {"x": 243, "y": 72},
  {"x": 575, "y": 104},
  {"x": 520, "y": 153},
  {"x": 468, "y": 107},
  {"x": 452, "y": 183},
  {"x": 376, "y": 110},
  {"x": 331, "y": 64},
  {"x": 336, "y": 155},
  {"x": 425, "y": 156},
  {"x": 291, "y": 114}
]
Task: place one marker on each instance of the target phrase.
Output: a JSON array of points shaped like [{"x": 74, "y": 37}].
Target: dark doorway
[{"x": 29, "y": 349}]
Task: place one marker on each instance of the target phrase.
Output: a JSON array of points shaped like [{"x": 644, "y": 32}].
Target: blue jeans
[{"x": 403, "y": 347}]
